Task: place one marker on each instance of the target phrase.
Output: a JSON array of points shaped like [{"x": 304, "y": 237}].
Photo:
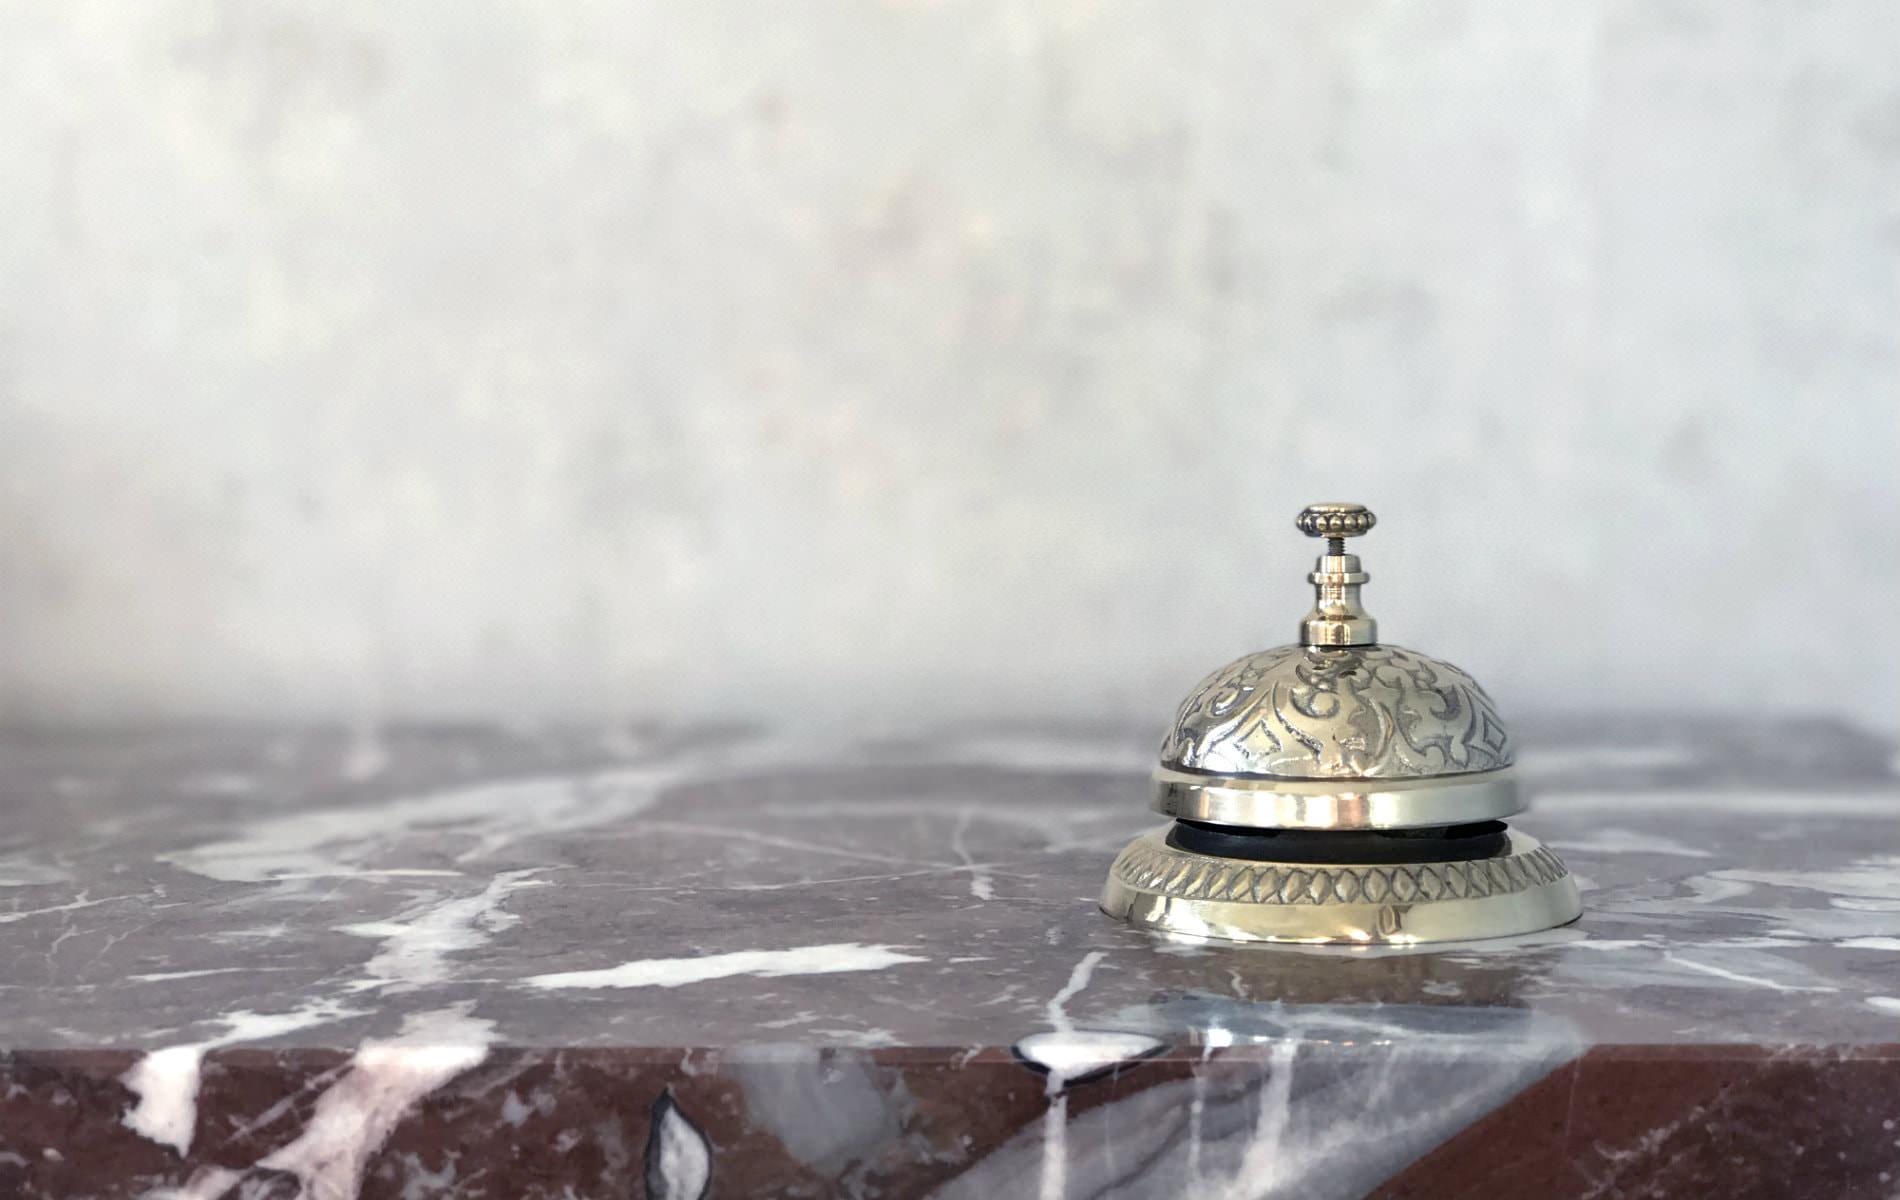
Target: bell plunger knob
[
  {"x": 1335, "y": 523},
  {"x": 1337, "y": 618}
]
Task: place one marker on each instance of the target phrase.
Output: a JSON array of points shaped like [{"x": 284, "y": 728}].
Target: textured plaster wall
[{"x": 476, "y": 358}]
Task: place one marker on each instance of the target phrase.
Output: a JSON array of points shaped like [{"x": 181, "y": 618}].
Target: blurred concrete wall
[{"x": 541, "y": 359}]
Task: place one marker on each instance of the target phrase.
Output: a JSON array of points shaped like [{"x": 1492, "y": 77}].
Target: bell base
[{"x": 1523, "y": 889}]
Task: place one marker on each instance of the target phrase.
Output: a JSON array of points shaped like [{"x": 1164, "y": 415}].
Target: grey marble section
[{"x": 743, "y": 891}]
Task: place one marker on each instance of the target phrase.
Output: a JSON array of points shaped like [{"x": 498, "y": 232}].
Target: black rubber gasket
[{"x": 1443, "y": 843}]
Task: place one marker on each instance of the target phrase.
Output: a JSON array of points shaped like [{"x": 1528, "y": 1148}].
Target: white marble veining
[
  {"x": 1309, "y": 1118},
  {"x": 166, "y": 1080},
  {"x": 677, "y": 972},
  {"x": 416, "y": 946},
  {"x": 356, "y": 1113},
  {"x": 1074, "y": 1054},
  {"x": 330, "y": 843},
  {"x": 679, "y": 1160}
]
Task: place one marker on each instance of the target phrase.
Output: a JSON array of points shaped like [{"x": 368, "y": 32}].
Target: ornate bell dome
[
  {"x": 1343, "y": 756},
  {"x": 1360, "y": 712}
]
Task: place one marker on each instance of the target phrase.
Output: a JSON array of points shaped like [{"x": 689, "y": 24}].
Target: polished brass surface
[
  {"x": 1341, "y": 735},
  {"x": 1359, "y": 712},
  {"x": 1330, "y": 804},
  {"x": 1337, "y": 618},
  {"x": 1158, "y": 886}
]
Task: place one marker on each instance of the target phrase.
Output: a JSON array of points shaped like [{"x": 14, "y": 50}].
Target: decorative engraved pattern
[
  {"x": 1154, "y": 866},
  {"x": 1301, "y": 712}
]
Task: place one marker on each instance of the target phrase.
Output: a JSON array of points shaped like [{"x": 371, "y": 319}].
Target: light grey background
[{"x": 546, "y": 360}]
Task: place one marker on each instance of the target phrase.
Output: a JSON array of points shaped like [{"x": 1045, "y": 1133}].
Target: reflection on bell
[{"x": 1338, "y": 790}]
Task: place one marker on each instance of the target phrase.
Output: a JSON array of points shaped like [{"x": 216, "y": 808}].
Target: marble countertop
[{"x": 724, "y": 961}]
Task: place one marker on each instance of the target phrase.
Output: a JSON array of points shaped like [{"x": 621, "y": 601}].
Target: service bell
[{"x": 1338, "y": 790}]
